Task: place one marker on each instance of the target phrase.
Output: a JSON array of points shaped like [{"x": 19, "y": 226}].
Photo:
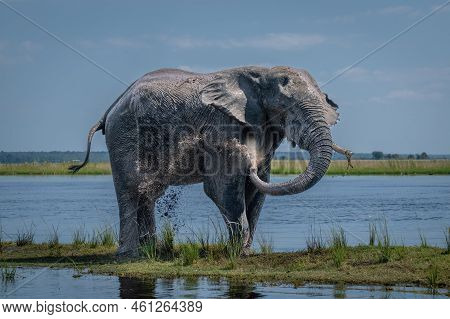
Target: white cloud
[
  {"x": 407, "y": 94},
  {"x": 399, "y": 10},
  {"x": 129, "y": 42},
  {"x": 340, "y": 19},
  {"x": 407, "y": 85},
  {"x": 137, "y": 42},
  {"x": 274, "y": 41}
]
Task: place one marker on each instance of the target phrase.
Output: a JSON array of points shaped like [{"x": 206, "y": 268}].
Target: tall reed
[
  {"x": 53, "y": 238},
  {"x": 25, "y": 236},
  {"x": 107, "y": 237},
  {"x": 188, "y": 253},
  {"x": 338, "y": 237},
  {"x": 338, "y": 245},
  {"x": 167, "y": 242},
  {"x": 314, "y": 241},
  {"x": 423, "y": 240},
  {"x": 265, "y": 244},
  {"x": 79, "y": 236},
  {"x": 372, "y": 234},
  {"x": 149, "y": 249},
  {"x": 384, "y": 242},
  {"x": 447, "y": 239},
  {"x": 432, "y": 278}
]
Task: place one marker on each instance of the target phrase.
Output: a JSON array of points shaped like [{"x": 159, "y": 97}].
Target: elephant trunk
[{"x": 319, "y": 145}]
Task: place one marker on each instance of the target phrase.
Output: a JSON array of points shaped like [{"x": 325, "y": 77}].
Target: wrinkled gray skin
[{"x": 271, "y": 104}]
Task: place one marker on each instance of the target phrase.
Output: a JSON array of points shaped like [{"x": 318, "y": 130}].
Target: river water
[
  {"x": 60, "y": 283},
  {"x": 411, "y": 206}
]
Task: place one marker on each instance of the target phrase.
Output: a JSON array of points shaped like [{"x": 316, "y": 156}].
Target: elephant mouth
[{"x": 319, "y": 145}]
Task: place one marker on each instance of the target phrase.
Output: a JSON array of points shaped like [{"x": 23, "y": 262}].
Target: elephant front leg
[
  {"x": 254, "y": 200},
  {"x": 228, "y": 193}
]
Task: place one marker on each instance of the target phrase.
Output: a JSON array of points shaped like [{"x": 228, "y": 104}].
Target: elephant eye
[
  {"x": 284, "y": 81},
  {"x": 331, "y": 102}
]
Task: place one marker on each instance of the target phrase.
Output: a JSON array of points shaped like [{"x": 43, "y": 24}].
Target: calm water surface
[
  {"x": 60, "y": 283},
  {"x": 410, "y": 204}
]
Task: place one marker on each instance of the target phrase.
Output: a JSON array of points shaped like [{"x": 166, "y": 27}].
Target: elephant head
[{"x": 288, "y": 98}]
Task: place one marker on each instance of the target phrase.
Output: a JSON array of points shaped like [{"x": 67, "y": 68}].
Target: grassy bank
[
  {"x": 281, "y": 167},
  {"x": 370, "y": 167},
  {"x": 326, "y": 259},
  {"x": 423, "y": 266},
  {"x": 53, "y": 169}
]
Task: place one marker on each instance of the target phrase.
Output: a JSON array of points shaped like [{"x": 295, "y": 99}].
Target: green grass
[
  {"x": 338, "y": 237},
  {"x": 107, "y": 237},
  {"x": 79, "y": 237},
  {"x": 265, "y": 244},
  {"x": 338, "y": 246},
  {"x": 423, "y": 240},
  {"x": 406, "y": 265},
  {"x": 384, "y": 242},
  {"x": 433, "y": 278},
  {"x": 447, "y": 239},
  {"x": 93, "y": 240},
  {"x": 372, "y": 234},
  {"x": 166, "y": 243},
  {"x": 315, "y": 242},
  {"x": 338, "y": 255},
  {"x": 281, "y": 167},
  {"x": 53, "y": 238},
  {"x": 25, "y": 236},
  {"x": 188, "y": 253},
  {"x": 330, "y": 261},
  {"x": 149, "y": 250},
  {"x": 53, "y": 169},
  {"x": 369, "y": 167}
]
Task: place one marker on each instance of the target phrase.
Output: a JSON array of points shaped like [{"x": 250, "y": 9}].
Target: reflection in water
[
  {"x": 133, "y": 288},
  {"x": 60, "y": 283},
  {"x": 242, "y": 290},
  {"x": 339, "y": 291}
]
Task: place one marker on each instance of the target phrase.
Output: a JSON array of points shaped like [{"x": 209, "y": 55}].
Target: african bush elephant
[{"x": 173, "y": 127}]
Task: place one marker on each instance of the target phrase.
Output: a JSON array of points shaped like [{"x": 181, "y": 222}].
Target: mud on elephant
[{"x": 173, "y": 127}]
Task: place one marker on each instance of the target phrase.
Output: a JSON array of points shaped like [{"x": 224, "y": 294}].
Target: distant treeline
[
  {"x": 301, "y": 155},
  {"x": 98, "y": 157}
]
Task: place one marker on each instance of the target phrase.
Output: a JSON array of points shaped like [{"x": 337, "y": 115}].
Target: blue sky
[{"x": 395, "y": 101}]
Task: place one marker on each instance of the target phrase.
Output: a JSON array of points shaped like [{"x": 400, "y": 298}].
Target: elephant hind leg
[
  {"x": 145, "y": 214},
  {"x": 137, "y": 217},
  {"x": 136, "y": 196}
]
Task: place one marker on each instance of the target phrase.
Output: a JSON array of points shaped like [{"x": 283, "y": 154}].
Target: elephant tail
[{"x": 98, "y": 126}]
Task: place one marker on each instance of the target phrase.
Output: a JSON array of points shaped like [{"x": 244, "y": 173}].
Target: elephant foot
[
  {"x": 246, "y": 251},
  {"x": 124, "y": 252}
]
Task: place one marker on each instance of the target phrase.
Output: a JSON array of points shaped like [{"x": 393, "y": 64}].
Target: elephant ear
[
  {"x": 330, "y": 112},
  {"x": 236, "y": 96}
]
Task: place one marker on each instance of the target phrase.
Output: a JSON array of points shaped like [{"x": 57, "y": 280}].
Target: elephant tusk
[{"x": 347, "y": 153}]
